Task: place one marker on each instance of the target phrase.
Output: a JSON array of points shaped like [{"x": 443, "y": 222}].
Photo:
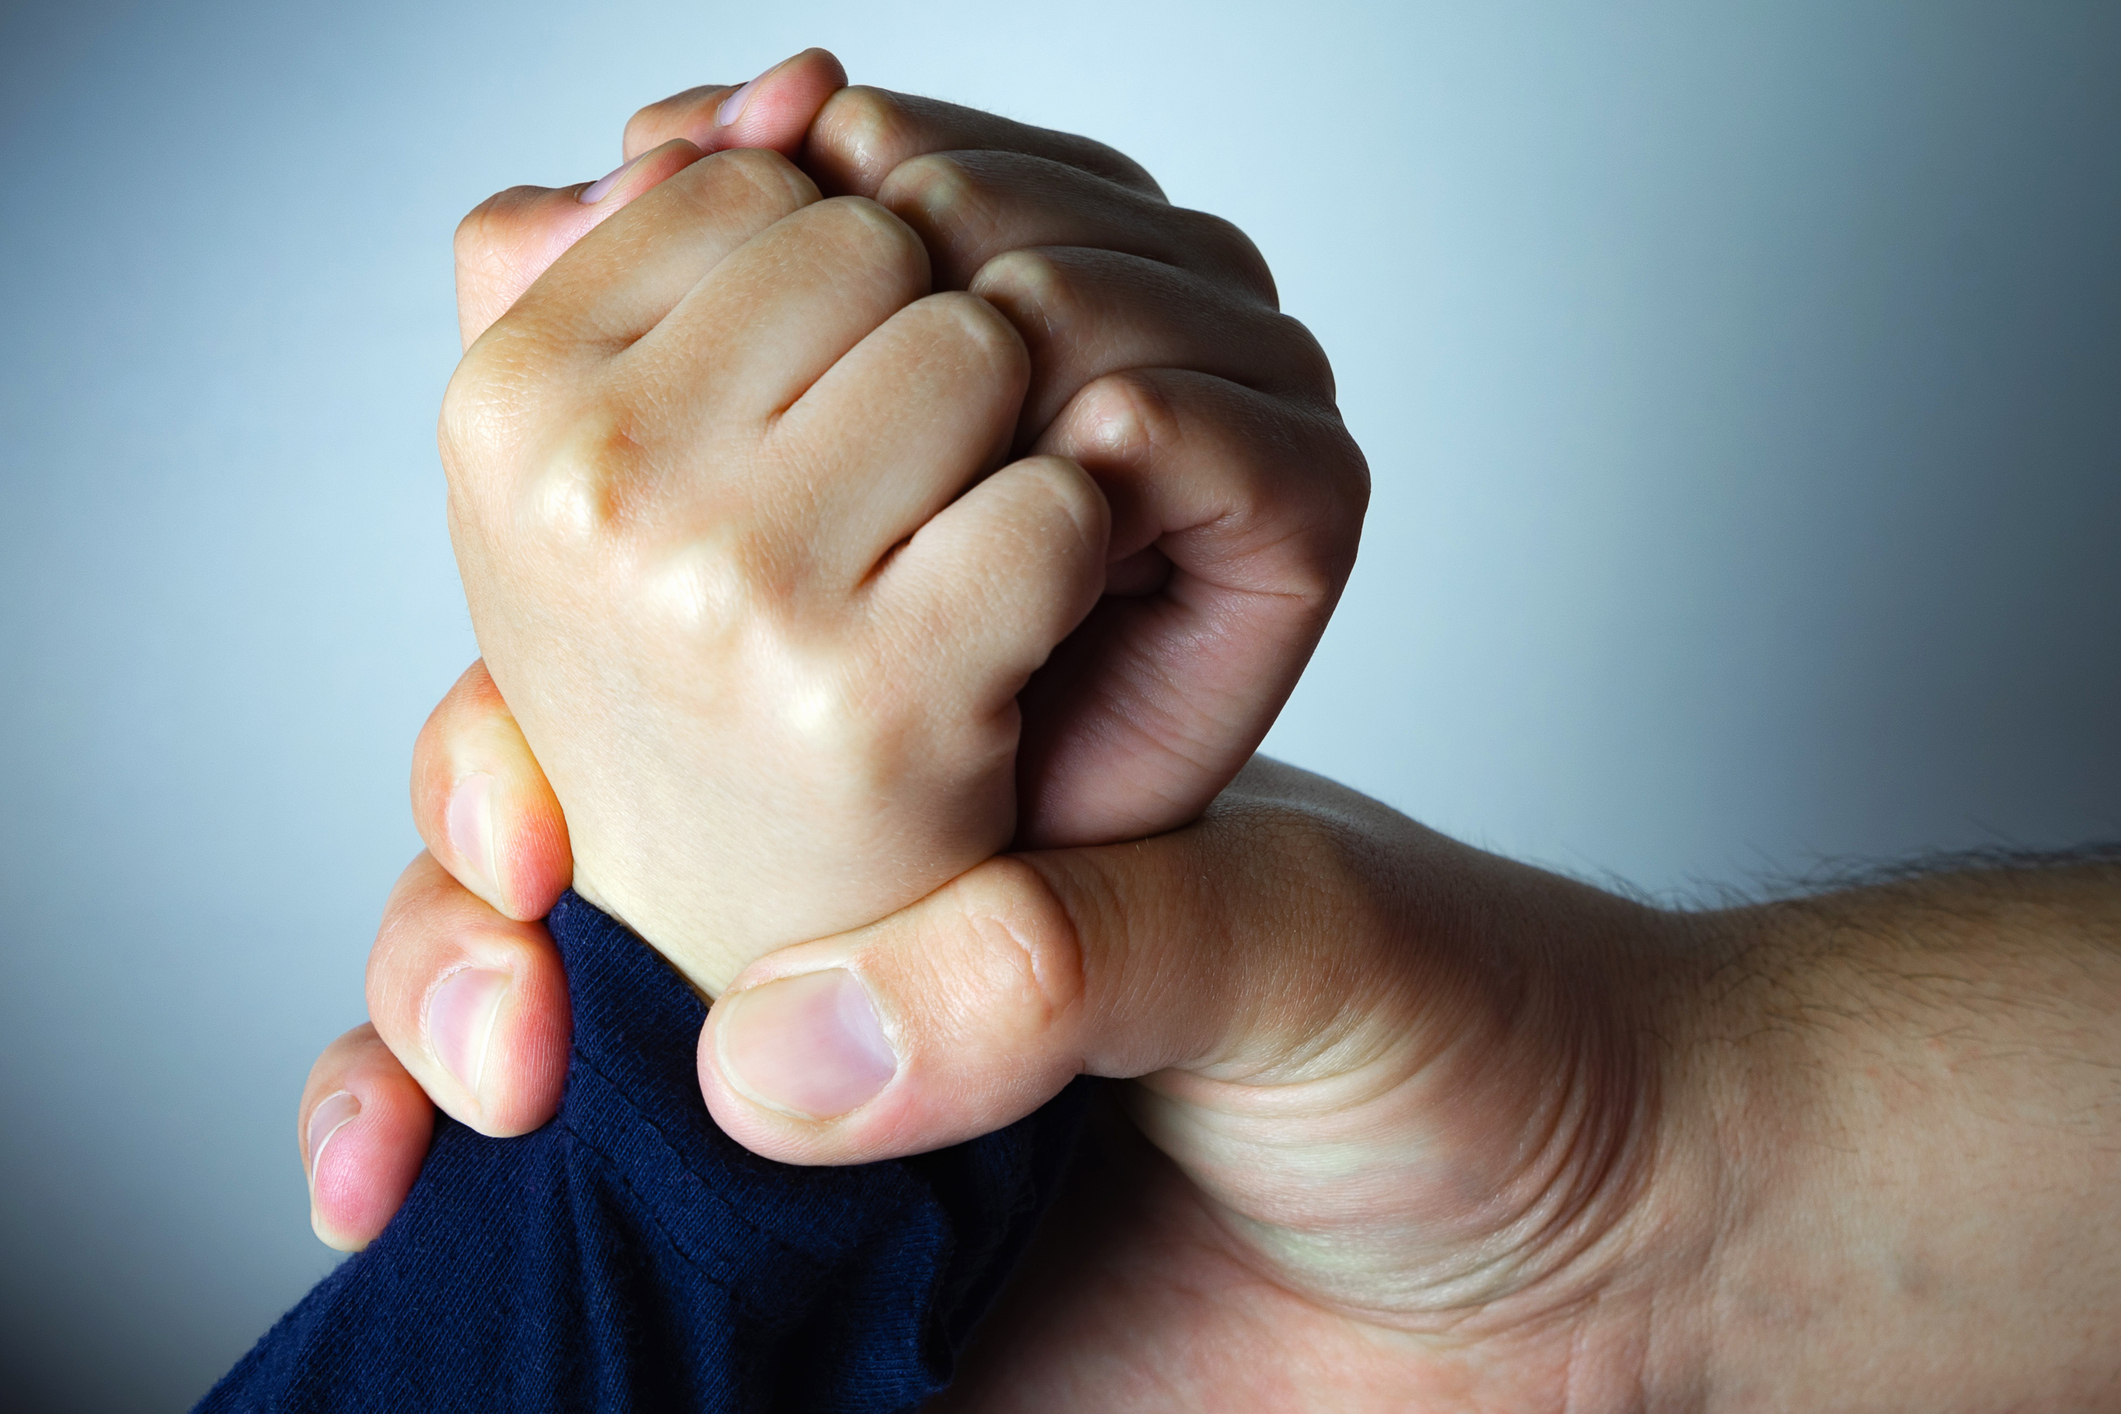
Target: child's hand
[{"x": 718, "y": 490}]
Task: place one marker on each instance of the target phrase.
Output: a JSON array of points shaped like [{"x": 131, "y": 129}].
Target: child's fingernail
[
  {"x": 733, "y": 106},
  {"x": 808, "y": 1046},
  {"x": 471, "y": 832},
  {"x": 332, "y": 1114},
  {"x": 460, "y": 1021},
  {"x": 598, "y": 189}
]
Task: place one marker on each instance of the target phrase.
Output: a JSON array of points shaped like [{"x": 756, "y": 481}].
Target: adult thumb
[{"x": 1231, "y": 945}]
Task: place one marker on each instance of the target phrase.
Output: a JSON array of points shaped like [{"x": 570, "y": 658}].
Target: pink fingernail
[
  {"x": 332, "y": 1114},
  {"x": 733, "y": 106},
  {"x": 601, "y": 187},
  {"x": 460, "y": 1021},
  {"x": 471, "y": 832},
  {"x": 809, "y": 1046}
]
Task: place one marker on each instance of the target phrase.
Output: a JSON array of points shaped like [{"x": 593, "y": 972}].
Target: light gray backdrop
[{"x": 1743, "y": 392}]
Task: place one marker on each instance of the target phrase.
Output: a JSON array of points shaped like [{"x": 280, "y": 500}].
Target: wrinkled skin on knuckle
[
  {"x": 1126, "y": 417},
  {"x": 1315, "y": 370},
  {"x": 933, "y": 180},
  {"x": 1023, "y": 949},
  {"x": 859, "y": 136},
  {"x": 1232, "y": 250},
  {"x": 956, "y": 211},
  {"x": 1035, "y": 291}
]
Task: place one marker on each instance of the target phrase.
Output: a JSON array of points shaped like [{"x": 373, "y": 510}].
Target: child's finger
[
  {"x": 862, "y": 133},
  {"x": 482, "y": 804},
  {"x": 623, "y": 278},
  {"x": 1085, "y": 313},
  {"x": 989, "y": 586},
  {"x": 780, "y": 312},
  {"x": 363, "y": 1128},
  {"x": 474, "y": 1005},
  {"x": 877, "y": 488},
  {"x": 1250, "y": 506},
  {"x": 972, "y": 206},
  {"x": 514, "y": 236},
  {"x": 773, "y": 110}
]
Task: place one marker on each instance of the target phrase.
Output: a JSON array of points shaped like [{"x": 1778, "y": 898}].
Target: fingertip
[
  {"x": 774, "y": 110},
  {"x": 474, "y": 1004},
  {"x": 483, "y": 806},
  {"x": 952, "y": 1019},
  {"x": 365, "y": 1131}
]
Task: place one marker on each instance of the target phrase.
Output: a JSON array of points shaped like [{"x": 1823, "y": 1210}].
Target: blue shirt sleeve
[{"x": 631, "y": 1256}]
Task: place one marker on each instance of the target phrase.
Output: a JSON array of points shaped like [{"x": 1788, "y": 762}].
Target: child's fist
[{"x": 716, "y": 487}]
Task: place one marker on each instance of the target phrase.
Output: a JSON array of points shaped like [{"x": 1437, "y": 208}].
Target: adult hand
[{"x": 1426, "y": 1128}]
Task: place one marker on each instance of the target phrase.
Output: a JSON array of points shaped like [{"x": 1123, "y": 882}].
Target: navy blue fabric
[{"x": 630, "y": 1256}]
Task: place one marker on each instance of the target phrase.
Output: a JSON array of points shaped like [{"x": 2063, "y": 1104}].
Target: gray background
[{"x": 1743, "y": 392}]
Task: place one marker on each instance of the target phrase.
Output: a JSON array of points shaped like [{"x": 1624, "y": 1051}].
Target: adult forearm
[{"x": 1920, "y": 1107}]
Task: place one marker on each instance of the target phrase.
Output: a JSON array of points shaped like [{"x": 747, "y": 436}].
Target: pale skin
[{"x": 1420, "y": 1128}]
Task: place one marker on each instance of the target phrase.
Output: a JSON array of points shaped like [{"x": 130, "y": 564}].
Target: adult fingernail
[
  {"x": 332, "y": 1114},
  {"x": 471, "y": 833},
  {"x": 460, "y": 1022},
  {"x": 808, "y": 1046},
  {"x": 597, "y": 190},
  {"x": 732, "y": 107}
]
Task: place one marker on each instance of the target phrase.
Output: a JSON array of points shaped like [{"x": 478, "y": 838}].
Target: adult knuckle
[
  {"x": 1231, "y": 250},
  {"x": 1037, "y": 291},
  {"x": 960, "y": 204},
  {"x": 1312, "y": 371},
  {"x": 1127, "y": 417},
  {"x": 1023, "y": 945},
  {"x": 867, "y": 130}
]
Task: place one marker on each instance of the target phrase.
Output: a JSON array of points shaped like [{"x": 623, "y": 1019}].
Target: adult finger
[
  {"x": 972, "y": 206},
  {"x": 1085, "y": 313},
  {"x": 1235, "y": 515},
  {"x": 514, "y": 236},
  {"x": 862, "y": 134},
  {"x": 363, "y": 1127},
  {"x": 1247, "y": 944},
  {"x": 482, "y": 804},
  {"x": 474, "y": 1005}
]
